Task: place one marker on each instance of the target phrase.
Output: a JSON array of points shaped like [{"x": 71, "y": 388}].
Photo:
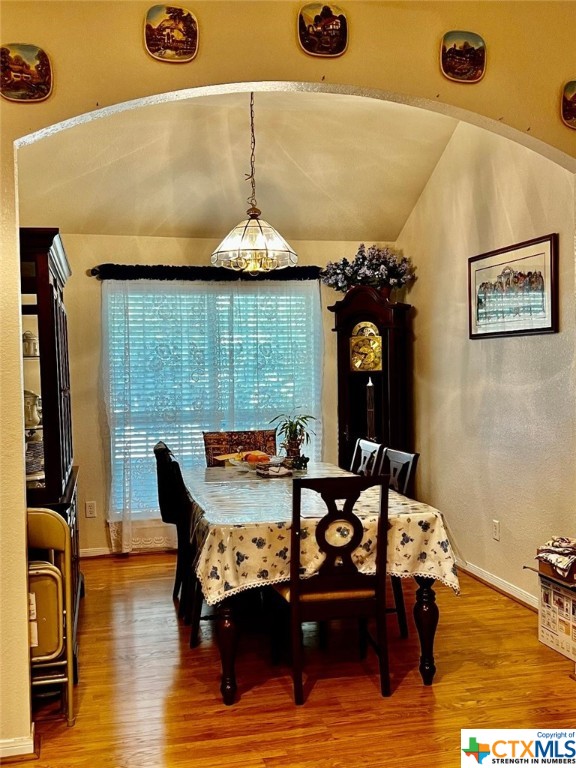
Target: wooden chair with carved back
[
  {"x": 401, "y": 466},
  {"x": 222, "y": 443},
  {"x": 339, "y": 589},
  {"x": 367, "y": 457},
  {"x": 176, "y": 508}
]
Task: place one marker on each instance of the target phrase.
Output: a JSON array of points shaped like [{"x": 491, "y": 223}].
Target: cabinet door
[{"x": 62, "y": 408}]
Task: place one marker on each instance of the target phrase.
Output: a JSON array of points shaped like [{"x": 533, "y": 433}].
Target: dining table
[{"x": 241, "y": 530}]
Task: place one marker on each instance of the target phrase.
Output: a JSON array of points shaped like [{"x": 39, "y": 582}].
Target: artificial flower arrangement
[{"x": 373, "y": 266}]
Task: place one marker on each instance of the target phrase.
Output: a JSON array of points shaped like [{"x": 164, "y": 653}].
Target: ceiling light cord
[
  {"x": 253, "y": 245},
  {"x": 251, "y": 177}
]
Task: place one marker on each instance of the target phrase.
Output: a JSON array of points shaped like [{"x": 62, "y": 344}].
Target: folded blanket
[{"x": 560, "y": 552}]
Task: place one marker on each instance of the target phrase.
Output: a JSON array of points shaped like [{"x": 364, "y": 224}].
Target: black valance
[{"x": 164, "y": 272}]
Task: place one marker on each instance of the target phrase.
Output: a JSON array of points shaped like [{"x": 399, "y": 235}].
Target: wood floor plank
[{"x": 146, "y": 700}]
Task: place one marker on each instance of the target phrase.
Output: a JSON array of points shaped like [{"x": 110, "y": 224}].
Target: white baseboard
[
  {"x": 95, "y": 552},
  {"x": 500, "y": 584},
  {"x": 20, "y": 747}
]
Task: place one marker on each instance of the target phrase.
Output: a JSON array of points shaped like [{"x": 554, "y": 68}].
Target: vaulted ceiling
[{"x": 328, "y": 167}]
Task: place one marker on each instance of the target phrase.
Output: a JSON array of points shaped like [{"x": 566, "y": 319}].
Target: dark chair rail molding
[{"x": 164, "y": 272}]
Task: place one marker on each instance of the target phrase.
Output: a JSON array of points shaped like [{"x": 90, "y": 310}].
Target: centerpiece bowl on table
[{"x": 250, "y": 461}]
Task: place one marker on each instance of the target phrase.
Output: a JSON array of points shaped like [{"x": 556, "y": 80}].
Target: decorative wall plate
[
  {"x": 322, "y": 29},
  {"x": 171, "y": 33},
  {"x": 25, "y": 72},
  {"x": 463, "y": 56},
  {"x": 568, "y": 107}
]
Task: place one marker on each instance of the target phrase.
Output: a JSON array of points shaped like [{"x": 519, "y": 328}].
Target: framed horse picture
[{"x": 513, "y": 291}]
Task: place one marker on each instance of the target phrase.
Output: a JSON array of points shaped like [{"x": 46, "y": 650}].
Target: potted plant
[
  {"x": 382, "y": 268},
  {"x": 294, "y": 431}
]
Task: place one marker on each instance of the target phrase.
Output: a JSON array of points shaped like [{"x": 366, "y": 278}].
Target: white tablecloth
[{"x": 243, "y": 523}]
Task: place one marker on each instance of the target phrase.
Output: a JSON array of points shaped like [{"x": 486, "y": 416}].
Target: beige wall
[
  {"x": 99, "y": 61},
  {"x": 494, "y": 417}
]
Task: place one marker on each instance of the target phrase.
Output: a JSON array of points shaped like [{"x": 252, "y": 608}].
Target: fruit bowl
[
  {"x": 252, "y": 466},
  {"x": 243, "y": 466}
]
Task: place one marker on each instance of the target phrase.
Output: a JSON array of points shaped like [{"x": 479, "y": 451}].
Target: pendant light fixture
[{"x": 253, "y": 245}]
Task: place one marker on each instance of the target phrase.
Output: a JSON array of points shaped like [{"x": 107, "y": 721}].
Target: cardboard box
[
  {"x": 557, "y": 616},
  {"x": 546, "y": 569}
]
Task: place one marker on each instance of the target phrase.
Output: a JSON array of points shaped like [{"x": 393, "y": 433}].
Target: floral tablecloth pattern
[{"x": 243, "y": 525}]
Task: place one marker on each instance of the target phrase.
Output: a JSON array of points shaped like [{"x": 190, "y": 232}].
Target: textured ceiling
[{"x": 328, "y": 167}]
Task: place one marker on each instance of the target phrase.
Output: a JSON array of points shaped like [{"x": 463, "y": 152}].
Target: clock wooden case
[{"x": 374, "y": 370}]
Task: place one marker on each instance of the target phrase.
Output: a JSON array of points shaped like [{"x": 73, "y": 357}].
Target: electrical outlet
[
  {"x": 496, "y": 530},
  {"x": 90, "y": 509}
]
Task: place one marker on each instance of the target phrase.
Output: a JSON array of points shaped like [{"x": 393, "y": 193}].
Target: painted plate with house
[
  {"x": 322, "y": 29},
  {"x": 171, "y": 33},
  {"x": 463, "y": 56},
  {"x": 569, "y": 104},
  {"x": 25, "y": 73}
]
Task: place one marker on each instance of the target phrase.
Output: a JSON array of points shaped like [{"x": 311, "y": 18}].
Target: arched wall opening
[
  {"x": 444, "y": 401},
  {"x": 466, "y": 133}
]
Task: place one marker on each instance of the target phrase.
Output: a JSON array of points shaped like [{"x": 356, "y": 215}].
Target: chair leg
[
  {"x": 363, "y": 635},
  {"x": 183, "y": 582},
  {"x": 68, "y": 689},
  {"x": 399, "y": 603},
  {"x": 186, "y": 598},
  {"x": 382, "y": 651},
  {"x": 297, "y": 657},
  {"x": 177, "y": 585},
  {"x": 278, "y": 615},
  {"x": 323, "y": 635},
  {"x": 178, "y": 575},
  {"x": 197, "y": 600}
]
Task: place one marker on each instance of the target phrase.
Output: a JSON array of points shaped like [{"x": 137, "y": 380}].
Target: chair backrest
[
  {"x": 221, "y": 443},
  {"x": 367, "y": 458},
  {"x": 48, "y": 531},
  {"x": 338, "y": 533},
  {"x": 173, "y": 496},
  {"x": 49, "y": 534},
  {"x": 401, "y": 467}
]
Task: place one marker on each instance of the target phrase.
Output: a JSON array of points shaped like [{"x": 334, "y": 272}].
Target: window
[{"x": 183, "y": 357}]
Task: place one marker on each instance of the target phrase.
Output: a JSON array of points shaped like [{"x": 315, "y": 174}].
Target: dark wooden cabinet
[
  {"x": 374, "y": 371},
  {"x": 51, "y": 478},
  {"x": 44, "y": 270}
]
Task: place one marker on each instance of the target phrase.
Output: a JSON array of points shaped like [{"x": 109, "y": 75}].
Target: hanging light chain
[
  {"x": 251, "y": 177},
  {"x": 253, "y": 245}
]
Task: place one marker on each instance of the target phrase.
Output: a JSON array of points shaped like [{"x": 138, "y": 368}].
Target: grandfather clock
[{"x": 374, "y": 370}]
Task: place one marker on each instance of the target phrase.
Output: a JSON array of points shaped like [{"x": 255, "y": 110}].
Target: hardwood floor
[{"x": 146, "y": 700}]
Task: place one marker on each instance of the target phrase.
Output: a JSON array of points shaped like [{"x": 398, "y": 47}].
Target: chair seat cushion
[{"x": 316, "y": 597}]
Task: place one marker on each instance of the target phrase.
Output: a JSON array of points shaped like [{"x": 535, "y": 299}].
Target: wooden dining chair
[
  {"x": 176, "y": 508},
  {"x": 367, "y": 457},
  {"x": 221, "y": 443},
  {"x": 339, "y": 589},
  {"x": 400, "y": 466}
]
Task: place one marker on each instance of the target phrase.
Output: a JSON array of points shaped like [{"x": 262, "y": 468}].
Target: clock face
[{"x": 365, "y": 353}]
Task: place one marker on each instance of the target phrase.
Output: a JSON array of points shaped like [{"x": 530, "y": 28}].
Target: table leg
[
  {"x": 227, "y": 638},
  {"x": 426, "y": 619}
]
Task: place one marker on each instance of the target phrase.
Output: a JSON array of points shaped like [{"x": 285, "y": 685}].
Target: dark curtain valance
[{"x": 162, "y": 272}]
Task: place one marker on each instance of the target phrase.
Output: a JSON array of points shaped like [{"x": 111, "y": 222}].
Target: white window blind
[{"x": 183, "y": 357}]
